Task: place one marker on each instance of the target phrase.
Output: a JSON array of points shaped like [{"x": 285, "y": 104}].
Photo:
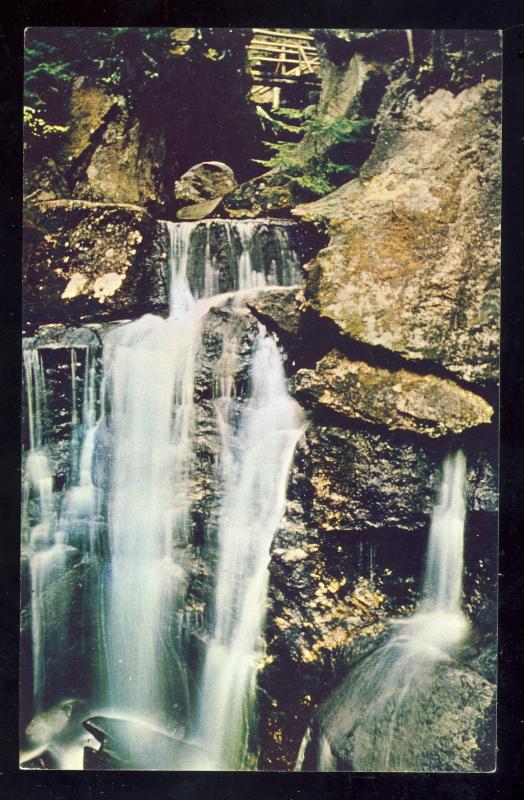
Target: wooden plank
[
  {"x": 308, "y": 65},
  {"x": 284, "y": 60},
  {"x": 283, "y": 35},
  {"x": 256, "y": 44},
  {"x": 306, "y": 79}
]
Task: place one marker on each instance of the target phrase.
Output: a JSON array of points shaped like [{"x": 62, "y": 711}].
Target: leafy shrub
[{"x": 333, "y": 154}]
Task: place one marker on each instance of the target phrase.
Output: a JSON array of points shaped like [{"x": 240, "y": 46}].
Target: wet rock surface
[
  {"x": 447, "y": 726},
  {"x": 279, "y": 309}
]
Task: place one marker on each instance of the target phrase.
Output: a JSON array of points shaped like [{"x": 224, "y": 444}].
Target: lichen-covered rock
[
  {"x": 196, "y": 211},
  {"x": 398, "y": 400},
  {"x": 209, "y": 180},
  {"x": 413, "y": 260},
  {"x": 56, "y": 336},
  {"x": 94, "y": 261},
  {"x": 44, "y": 181},
  {"x": 268, "y": 194},
  {"x": 89, "y": 106},
  {"x": 125, "y": 165}
]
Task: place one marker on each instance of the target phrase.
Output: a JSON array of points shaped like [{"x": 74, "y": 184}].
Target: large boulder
[
  {"x": 413, "y": 260},
  {"x": 109, "y": 154},
  {"x": 93, "y": 262},
  {"x": 397, "y": 400},
  {"x": 199, "y": 189},
  {"x": 442, "y": 721}
]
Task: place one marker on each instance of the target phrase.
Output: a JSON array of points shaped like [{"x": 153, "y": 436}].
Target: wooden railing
[{"x": 278, "y": 58}]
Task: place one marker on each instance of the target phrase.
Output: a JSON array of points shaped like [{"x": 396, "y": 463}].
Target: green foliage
[
  {"x": 277, "y": 125},
  {"x": 110, "y": 57},
  {"x": 328, "y": 141},
  {"x": 38, "y": 129}
]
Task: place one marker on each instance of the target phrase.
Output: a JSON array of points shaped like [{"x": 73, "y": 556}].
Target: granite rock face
[
  {"x": 108, "y": 154},
  {"x": 398, "y": 400},
  {"x": 412, "y": 264}
]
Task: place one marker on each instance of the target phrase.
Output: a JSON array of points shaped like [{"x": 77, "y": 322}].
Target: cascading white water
[
  {"x": 53, "y": 538},
  {"x": 78, "y": 524},
  {"x": 256, "y": 461},
  {"x": 223, "y": 256},
  {"x": 126, "y": 508},
  {"x": 39, "y": 474},
  {"x": 149, "y": 375},
  {"x": 382, "y": 688}
]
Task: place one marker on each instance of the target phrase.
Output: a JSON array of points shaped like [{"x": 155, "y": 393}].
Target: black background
[{"x": 508, "y": 779}]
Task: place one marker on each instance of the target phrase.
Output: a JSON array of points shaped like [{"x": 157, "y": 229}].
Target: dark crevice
[{"x": 473, "y": 439}]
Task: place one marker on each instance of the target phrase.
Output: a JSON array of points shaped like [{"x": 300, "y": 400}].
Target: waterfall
[
  {"x": 149, "y": 372},
  {"x": 125, "y": 513},
  {"x": 148, "y": 388},
  {"x": 215, "y": 256},
  {"x": 442, "y": 590},
  {"x": 376, "y": 705},
  {"x": 256, "y": 461},
  {"x": 53, "y": 538}
]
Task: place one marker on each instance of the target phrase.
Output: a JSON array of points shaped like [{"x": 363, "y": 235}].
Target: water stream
[
  {"x": 126, "y": 512},
  {"x": 376, "y": 706},
  {"x": 256, "y": 461}
]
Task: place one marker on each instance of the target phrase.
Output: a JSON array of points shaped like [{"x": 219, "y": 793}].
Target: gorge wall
[{"x": 390, "y": 343}]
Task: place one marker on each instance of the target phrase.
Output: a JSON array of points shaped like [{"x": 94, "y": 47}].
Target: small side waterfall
[
  {"x": 55, "y": 540},
  {"x": 375, "y": 706}
]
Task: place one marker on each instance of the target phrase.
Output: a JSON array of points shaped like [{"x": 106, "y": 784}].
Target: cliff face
[
  {"x": 400, "y": 314},
  {"x": 413, "y": 260},
  {"x": 132, "y": 130},
  {"x": 391, "y": 342}
]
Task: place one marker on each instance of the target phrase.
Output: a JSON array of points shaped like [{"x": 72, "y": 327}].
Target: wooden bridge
[{"x": 279, "y": 58}]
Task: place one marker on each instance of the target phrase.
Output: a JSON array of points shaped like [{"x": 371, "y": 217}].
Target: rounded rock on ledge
[{"x": 208, "y": 180}]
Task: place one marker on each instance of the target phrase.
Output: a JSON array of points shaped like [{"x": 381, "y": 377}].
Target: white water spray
[{"x": 256, "y": 462}]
